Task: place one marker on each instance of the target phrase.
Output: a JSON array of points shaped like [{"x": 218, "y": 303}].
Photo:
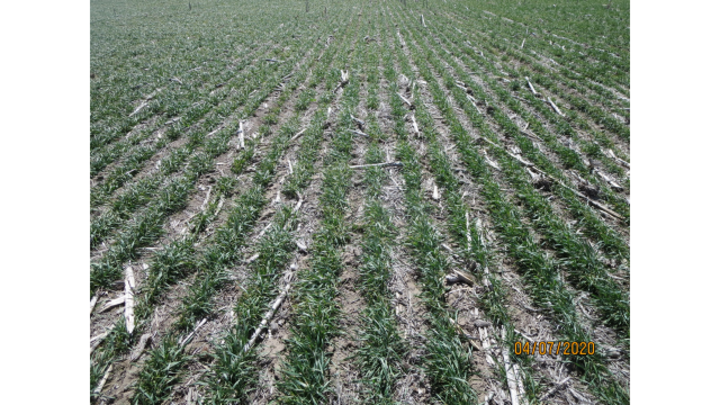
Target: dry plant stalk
[
  {"x": 298, "y": 135},
  {"x": 462, "y": 333},
  {"x": 415, "y": 125},
  {"x": 241, "y": 136},
  {"x": 467, "y": 231},
  {"x": 271, "y": 312},
  {"x": 512, "y": 379},
  {"x": 113, "y": 303},
  {"x": 97, "y": 339},
  {"x": 554, "y": 389},
  {"x": 596, "y": 204},
  {"x": 344, "y": 79},
  {"x": 376, "y": 165},
  {"x": 492, "y": 163},
  {"x": 557, "y": 110},
  {"x": 100, "y": 386},
  {"x": 408, "y": 102},
  {"x": 207, "y": 198},
  {"x": 360, "y": 122},
  {"x": 192, "y": 334},
  {"x": 532, "y": 89},
  {"x": 486, "y": 345},
  {"x": 93, "y": 301},
  {"x": 460, "y": 276},
  {"x": 141, "y": 346},
  {"x": 129, "y": 299}
]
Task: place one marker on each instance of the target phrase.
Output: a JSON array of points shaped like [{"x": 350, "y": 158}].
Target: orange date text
[{"x": 550, "y": 348}]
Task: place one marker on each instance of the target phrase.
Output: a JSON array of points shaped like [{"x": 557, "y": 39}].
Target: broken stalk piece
[
  {"x": 344, "y": 79},
  {"x": 532, "y": 89},
  {"x": 557, "y": 110},
  {"x": 241, "y": 136},
  {"x": 377, "y": 165}
]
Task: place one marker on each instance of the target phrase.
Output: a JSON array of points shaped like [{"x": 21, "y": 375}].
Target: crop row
[
  {"x": 569, "y": 155},
  {"x": 519, "y": 83},
  {"x": 125, "y": 63},
  {"x": 176, "y": 260},
  {"x": 606, "y": 68},
  {"x": 557, "y": 81},
  {"x": 197, "y": 120},
  {"x": 447, "y": 363},
  {"x": 167, "y": 129},
  {"x": 148, "y": 226},
  {"x": 520, "y": 190},
  {"x": 537, "y": 269},
  {"x": 303, "y": 373},
  {"x": 584, "y": 266},
  {"x": 234, "y": 372},
  {"x": 612, "y": 243}
]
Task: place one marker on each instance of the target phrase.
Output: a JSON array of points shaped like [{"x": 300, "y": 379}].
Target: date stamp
[{"x": 549, "y": 348}]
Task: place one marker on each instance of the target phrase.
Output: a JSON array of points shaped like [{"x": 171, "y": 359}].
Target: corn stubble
[{"x": 240, "y": 153}]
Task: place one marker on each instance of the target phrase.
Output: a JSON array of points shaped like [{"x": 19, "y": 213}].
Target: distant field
[{"x": 360, "y": 202}]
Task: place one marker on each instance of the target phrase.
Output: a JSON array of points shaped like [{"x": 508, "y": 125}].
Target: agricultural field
[{"x": 344, "y": 202}]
